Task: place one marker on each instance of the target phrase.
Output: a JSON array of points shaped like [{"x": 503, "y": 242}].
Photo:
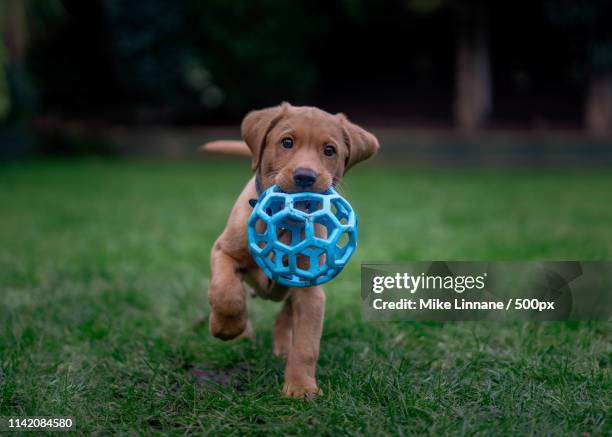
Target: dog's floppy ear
[
  {"x": 255, "y": 128},
  {"x": 361, "y": 143}
]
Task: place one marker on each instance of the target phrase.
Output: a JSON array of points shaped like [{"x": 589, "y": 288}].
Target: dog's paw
[
  {"x": 301, "y": 391},
  {"x": 228, "y": 328},
  {"x": 248, "y": 333}
]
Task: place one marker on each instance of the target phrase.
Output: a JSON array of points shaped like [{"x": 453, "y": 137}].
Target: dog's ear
[
  {"x": 361, "y": 143},
  {"x": 255, "y": 128}
]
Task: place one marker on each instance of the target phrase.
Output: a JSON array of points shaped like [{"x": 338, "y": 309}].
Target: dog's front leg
[
  {"x": 307, "y": 311},
  {"x": 228, "y": 317}
]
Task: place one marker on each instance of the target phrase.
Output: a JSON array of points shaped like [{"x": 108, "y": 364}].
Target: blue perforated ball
[{"x": 302, "y": 239}]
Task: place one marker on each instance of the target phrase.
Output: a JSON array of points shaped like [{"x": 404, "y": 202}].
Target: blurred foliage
[
  {"x": 260, "y": 56},
  {"x": 151, "y": 49},
  {"x": 219, "y": 54},
  {"x": 5, "y": 101},
  {"x": 426, "y": 6},
  {"x": 19, "y": 20},
  {"x": 210, "y": 60},
  {"x": 590, "y": 20}
]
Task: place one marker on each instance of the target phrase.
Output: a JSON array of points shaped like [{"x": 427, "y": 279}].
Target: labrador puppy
[{"x": 299, "y": 149}]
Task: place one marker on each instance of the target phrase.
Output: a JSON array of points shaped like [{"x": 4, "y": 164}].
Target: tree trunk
[
  {"x": 14, "y": 29},
  {"x": 599, "y": 105},
  {"x": 473, "y": 96}
]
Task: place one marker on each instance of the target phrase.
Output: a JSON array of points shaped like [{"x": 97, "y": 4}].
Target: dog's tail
[{"x": 226, "y": 147}]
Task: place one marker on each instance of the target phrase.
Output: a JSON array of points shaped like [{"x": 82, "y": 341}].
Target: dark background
[{"x": 542, "y": 66}]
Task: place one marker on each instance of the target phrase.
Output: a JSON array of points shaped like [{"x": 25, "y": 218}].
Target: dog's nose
[{"x": 304, "y": 178}]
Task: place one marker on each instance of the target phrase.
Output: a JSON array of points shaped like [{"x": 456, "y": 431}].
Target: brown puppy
[{"x": 298, "y": 149}]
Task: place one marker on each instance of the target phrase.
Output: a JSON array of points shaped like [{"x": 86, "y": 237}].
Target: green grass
[{"x": 103, "y": 278}]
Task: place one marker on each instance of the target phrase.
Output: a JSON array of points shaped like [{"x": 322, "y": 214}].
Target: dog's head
[{"x": 302, "y": 148}]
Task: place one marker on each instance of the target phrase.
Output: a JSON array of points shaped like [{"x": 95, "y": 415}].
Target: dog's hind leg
[
  {"x": 228, "y": 317},
  {"x": 283, "y": 330}
]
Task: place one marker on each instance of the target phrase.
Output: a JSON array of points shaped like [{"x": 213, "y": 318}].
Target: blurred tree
[
  {"x": 152, "y": 52},
  {"x": 473, "y": 89},
  {"x": 5, "y": 100},
  {"x": 590, "y": 21},
  {"x": 207, "y": 56},
  {"x": 212, "y": 60},
  {"x": 14, "y": 29},
  {"x": 260, "y": 52},
  {"x": 473, "y": 96},
  {"x": 599, "y": 101},
  {"x": 18, "y": 18}
]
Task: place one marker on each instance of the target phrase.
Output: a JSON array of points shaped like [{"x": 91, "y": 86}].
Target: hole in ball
[
  {"x": 260, "y": 227},
  {"x": 343, "y": 241},
  {"x": 303, "y": 262}
]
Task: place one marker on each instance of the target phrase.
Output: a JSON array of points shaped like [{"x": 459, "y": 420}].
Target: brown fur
[
  {"x": 225, "y": 147},
  {"x": 298, "y": 327}
]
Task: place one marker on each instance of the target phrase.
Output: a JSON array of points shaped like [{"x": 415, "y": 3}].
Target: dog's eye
[
  {"x": 329, "y": 150},
  {"x": 287, "y": 143}
]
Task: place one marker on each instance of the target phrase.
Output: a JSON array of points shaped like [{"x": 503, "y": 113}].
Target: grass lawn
[{"x": 103, "y": 278}]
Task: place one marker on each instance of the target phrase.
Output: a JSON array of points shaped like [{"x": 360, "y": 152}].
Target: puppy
[{"x": 298, "y": 149}]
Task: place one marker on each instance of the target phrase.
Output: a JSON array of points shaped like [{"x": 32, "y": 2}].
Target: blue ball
[{"x": 302, "y": 239}]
